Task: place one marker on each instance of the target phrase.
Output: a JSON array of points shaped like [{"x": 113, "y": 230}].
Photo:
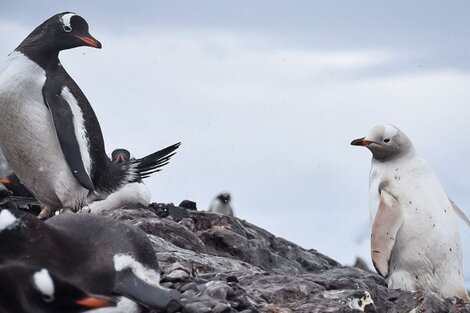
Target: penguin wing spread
[
  {"x": 130, "y": 286},
  {"x": 62, "y": 117},
  {"x": 460, "y": 213},
  {"x": 387, "y": 222}
]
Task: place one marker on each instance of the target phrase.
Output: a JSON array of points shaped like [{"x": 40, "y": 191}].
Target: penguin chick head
[
  {"x": 386, "y": 142},
  {"x": 224, "y": 197},
  {"x": 121, "y": 156},
  {"x": 62, "y": 31},
  {"x": 37, "y": 290}
]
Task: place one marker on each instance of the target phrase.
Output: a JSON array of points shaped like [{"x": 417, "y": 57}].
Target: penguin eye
[
  {"x": 67, "y": 28},
  {"x": 47, "y": 298},
  {"x": 386, "y": 140}
]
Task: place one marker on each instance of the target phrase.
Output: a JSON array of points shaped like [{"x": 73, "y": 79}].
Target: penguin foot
[{"x": 46, "y": 213}]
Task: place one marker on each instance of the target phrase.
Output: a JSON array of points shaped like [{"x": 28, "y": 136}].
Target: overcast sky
[{"x": 267, "y": 95}]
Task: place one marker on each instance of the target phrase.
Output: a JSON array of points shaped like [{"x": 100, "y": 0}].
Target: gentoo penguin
[
  {"x": 108, "y": 257},
  {"x": 29, "y": 289},
  {"x": 415, "y": 241},
  {"x": 134, "y": 194},
  {"x": 5, "y": 169},
  {"x": 221, "y": 204},
  {"x": 49, "y": 132}
]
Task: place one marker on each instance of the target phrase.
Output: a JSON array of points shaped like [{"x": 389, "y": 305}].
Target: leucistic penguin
[
  {"x": 415, "y": 242},
  {"x": 29, "y": 289},
  {"x": 49, "y": 132},
  {"x": 134, "y": 194},
  {"x": 221, "y": 204},
  {"x": 108, "y": 257}
]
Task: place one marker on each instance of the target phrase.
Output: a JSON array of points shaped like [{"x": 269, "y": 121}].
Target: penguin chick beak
[
  {"x": 90, "y": 41},
  {"x": 361, "y": 142},
  {"x": 94, "y": 302}
]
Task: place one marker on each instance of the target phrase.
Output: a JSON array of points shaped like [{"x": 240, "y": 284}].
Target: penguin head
[
  {"x": 386, "y": 142},
  {"x": 63, "y": 31},
  {"x": 37, "y": 290},
  {"x": 224, "y": 197},
  {"x": 121, "y": 156}
]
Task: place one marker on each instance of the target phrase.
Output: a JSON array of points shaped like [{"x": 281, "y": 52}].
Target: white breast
[
  {"x": 221, "y": 208},
  {"x": 28, "y": 138},
  {"x": 133, "y": 194},
  {"x": 427, "y": 252}
]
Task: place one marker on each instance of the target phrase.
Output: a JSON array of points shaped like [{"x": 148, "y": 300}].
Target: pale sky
[{"x": 267, "y": 95}]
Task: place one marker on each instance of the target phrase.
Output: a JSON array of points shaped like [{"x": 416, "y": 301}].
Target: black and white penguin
[
  {"x": 29, "y": 289},
  {"x": 108, "y": 257},
  {"x": 221, "y": 204},
  {"x": 134, "y": 194},
  {"x": 49, "y": 132}
]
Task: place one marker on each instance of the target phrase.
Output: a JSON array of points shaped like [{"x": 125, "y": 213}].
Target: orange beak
[
  {"x": 94, "y": 302},
  {"x": 5, "y": 181},
  {"x": 361, "y": 142},
  {"x": 90, "y": 41}
]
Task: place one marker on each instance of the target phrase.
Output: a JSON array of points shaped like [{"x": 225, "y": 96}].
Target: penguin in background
[
  {"x": 108, "y": 257},
  {"x": 36, "y": 290},
  {"x": 134, "y": 194},
  {"x": 221, "y": 204},
  {"x": 49, "y": 132}
]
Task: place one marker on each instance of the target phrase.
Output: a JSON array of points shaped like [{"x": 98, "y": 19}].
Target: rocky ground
[{"x": 223, "y": 264}]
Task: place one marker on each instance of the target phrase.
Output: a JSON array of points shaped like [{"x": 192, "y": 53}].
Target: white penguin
[
  {"x": 415, "y": 241},
  {"x": 221, "y": 205}
]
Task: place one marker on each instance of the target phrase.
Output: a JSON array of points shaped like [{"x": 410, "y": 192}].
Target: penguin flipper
[
  {"x": 387, "y": 222},
  {"x": 460, "y": 213},
  {"x": 63, "y": 119},
  {"x": 144, "y": 167},
  {"x": 131, "y": 286}
]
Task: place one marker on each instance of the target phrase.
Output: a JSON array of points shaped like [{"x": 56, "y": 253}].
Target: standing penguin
[
  {"x": 49, "y": 132},
  {"x": 221, "y": 204},
  {"x": 415, "y": 242}
]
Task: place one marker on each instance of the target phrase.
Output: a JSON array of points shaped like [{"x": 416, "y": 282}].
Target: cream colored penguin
[{"x": 415, "y": 242}]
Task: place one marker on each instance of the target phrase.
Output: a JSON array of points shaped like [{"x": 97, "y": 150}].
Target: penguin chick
[
  {"x": 221, "y": 205},
  {"x": 134, "y": 194}
]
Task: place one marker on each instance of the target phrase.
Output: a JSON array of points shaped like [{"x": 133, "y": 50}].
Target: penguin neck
[
  {"x": 409, "y": 154},
  {"x": 45, "y": 57}
]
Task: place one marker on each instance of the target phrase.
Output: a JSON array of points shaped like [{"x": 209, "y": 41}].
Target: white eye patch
[
  {"x": 390, "y": 131},
  {"x": 66, "y": 21},
  {"x": 43, "y": 282}
]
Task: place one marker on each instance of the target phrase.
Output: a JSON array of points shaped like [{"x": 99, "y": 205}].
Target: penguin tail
[{"x": 152, "y": 163}]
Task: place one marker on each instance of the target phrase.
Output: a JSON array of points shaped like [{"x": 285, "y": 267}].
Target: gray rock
[{"x": 223, "y": 264}]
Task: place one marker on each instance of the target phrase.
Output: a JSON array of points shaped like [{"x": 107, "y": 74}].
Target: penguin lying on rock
[
  {"x": 29, "y": 289},
  {"x": 49, "y": 132},
  {"x": 97, "y": 254}
]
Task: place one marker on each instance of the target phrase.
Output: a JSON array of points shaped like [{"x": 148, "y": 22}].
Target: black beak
[
  {"x": 90, "y": 41},
  {"x": 360, "y": 142}
]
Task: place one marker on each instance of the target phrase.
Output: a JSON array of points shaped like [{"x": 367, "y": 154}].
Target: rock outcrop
[{"x": 223, "y": 264}]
